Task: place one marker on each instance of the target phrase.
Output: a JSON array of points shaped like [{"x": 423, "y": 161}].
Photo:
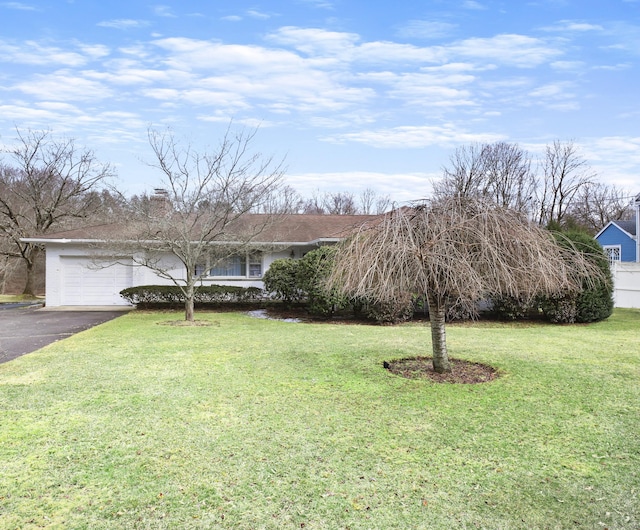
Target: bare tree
[
  {"x": 500, "y": 172},
  {"x": 107, "y": 205},
  {"x": 46, "y": 187},
  {"x": 465, "y": 177},
  {"x": 284, "y": 200},
  {"x": 596, "y": 204},
  {"x": 200, "y": 217},
  {"x": 314, "y": 205},
  {"x": 8, "y": 263},
  {"x": 373, "y": 204},
  {"x": 340, "y": 203},
  {"x": 565, "y": 174},
  {"x": 332, "y": 203},
  {"x": 345, "y": 203},
  {"x": 454, "y": 250}
]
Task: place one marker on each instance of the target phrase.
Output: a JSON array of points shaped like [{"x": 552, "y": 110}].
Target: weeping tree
[{"x": 454, "y": 251}]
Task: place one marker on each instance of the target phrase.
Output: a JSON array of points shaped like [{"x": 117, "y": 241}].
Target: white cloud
[
  {"x": 127, "y": 73},
  {"x": 314, "y": 41},
  {"x": 426, "y": 29},
  {"x": 240, "y": 73},
  {"x": 551, "y": 90},
  {"x": 163, "y": 11},
  {"x": 33, "y": 53},
  {"x": 18, "y": 6},
  {"x": 94, "y": 51},
  {"x": 346, "y": 47},
  {"x": 397, "y": 54},
  {"x": 615, "y": 159},
  {"x": 622, "y": 149},
  {"x": 254, "y": 13},
  {"x": 63, "y": 85},
  {"x": 123, "y": 23},
  {"x": 564, "y": 26},
  {"x": 473, "y": 5},
  {"x": 557, "y": 96},
  {"x": 414, "y": 137},
  {"x": 313, "y": 76},
  {"x": 576, "y": 66},
  {"x": 401, "y": 188},
  {"x": 430, "y": 88},
  {"x": 21, "y": 112},
  {"x": 613, "y": 67},
  {"x": 510, "y": 49},
  {"x": 319, "y": 4}
]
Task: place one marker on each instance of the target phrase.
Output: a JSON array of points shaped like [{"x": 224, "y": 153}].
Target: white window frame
[
  {"x": 252, "y": 263},
  {"x": 613, "y": 252}
]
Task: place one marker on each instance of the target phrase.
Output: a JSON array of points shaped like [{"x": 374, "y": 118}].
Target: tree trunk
[
  {"x": 30, "y": 261},
  {"x": 188, "y": 309},
  {"x": 438, "y": 334}
]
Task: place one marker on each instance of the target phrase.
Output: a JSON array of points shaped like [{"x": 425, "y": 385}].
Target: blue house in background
[{"x": 618, "y": 239}]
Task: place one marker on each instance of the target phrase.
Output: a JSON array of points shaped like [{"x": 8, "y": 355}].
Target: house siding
[
  {"x": 61, "y": 258},
  {"x": 612, "y": 235},
  {"x": 69, "y": 264}
]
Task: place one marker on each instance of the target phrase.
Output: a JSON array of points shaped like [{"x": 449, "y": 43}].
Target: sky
[{"x": 353, "y": 94}]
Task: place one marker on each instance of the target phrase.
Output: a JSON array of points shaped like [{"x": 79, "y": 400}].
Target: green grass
[
  {"x": 11, "y": 298},
  {"x": 251, "y": 424}
]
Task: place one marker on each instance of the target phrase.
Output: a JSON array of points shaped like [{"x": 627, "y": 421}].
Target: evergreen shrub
[{"x": 150, "y": 295}]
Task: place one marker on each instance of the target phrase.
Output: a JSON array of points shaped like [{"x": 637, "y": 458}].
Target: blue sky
[{"x": 355, "y": 94}]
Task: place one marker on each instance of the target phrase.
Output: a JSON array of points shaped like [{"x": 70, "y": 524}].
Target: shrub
[
  {"x": 147, "y": 295},
  {"x": 390, "y": 312},
  {"x": 510, "y": 307},
  {"x": 304, "y": 280},
  {"x": 281, "y": 280},
  {"x": 560, "y": 308},
  {"x": 313, "y": 270},
  {"x": 595, "y": 301}
]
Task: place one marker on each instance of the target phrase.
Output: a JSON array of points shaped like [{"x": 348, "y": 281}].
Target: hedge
[{"x": 207, "y": 294}]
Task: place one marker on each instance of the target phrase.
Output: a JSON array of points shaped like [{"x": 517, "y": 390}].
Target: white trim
[{"x": 318, "y": 241}]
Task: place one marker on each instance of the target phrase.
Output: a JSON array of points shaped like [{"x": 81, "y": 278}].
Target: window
[
  {"x": 243, "y": 266},
  {"x": 613, "y": 252},
  {"x": 234, "y": 266}
]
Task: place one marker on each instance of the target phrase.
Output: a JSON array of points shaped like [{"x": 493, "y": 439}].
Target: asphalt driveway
[{"x": 26, "y": 329}]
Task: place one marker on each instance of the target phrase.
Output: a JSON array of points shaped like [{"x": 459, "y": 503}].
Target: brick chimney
[{"x": 160, "y": 202}]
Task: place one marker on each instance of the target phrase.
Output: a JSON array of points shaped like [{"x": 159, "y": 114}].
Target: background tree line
[{"x": 559, "y": 189}]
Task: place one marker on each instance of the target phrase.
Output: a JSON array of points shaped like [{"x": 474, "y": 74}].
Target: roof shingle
[{"x": 293, "y": 228}]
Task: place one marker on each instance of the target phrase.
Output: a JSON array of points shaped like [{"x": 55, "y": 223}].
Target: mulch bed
[{"x": 462, "y": 372}]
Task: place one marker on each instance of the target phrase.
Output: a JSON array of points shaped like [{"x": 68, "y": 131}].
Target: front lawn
[{"x": 250, "y": 424}]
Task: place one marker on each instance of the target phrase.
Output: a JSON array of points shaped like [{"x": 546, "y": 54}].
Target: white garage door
[{"x": 84, "y": 283}]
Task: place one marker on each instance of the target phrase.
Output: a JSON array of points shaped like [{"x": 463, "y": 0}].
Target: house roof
[
  {"x": 294, "y": 229},
  {"x": 626, "y": 225}
]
